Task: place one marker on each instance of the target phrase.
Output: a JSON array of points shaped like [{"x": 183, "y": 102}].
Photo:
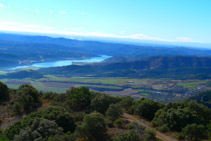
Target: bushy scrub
[
  {"x": 114, "y": 111},
  {"x": 93, "y": 126},
  {"x": 130, "y": 136},
  {"x": 146, "y": 108},
  {"x": 39, "y": 129},
  {"x": 4, "y": 92},
  {"x": 178, "y": 115}
]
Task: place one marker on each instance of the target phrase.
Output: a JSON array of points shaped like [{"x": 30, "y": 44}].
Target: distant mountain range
[
  {"x": 24, "y": 50},
  {"x": 161, "y": 66}
]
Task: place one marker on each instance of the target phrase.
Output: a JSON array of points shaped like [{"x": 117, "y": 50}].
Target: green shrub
[
  {"x": 58, "y": 114},
  {"x": 49, "y": 95},
  {"x": 118, "y": 123},
  {"x": 135, "y": 126},
  {"x": 62, "y": 137},
  {"x": 149, "y": 135},
  {"x": 164, "y": 128},
  {"x": 178, "y": 115},
  {"x": 79, "y": 98},
  {"x": 39, "y": 129},
  {"x": 146, "y": 108},
  {"x": 127, "y": 102},
  {"x": 109, "y": 123},
  {"x": 4, "y": 92},
  {"x": 130, "y": 136},
  {"x": 101, "y": 102},
  {"x": 26, "y": 99},
  {"x": 93, "y": 126},
  {"x": 17, "y": 108},
  {"x": 114, "y": 111},
  {"x": 194, "y": 132},
  {"x": 78, "y": 116}
]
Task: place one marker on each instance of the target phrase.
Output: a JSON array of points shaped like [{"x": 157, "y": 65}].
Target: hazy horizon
[{"x": 159, "y": 21}]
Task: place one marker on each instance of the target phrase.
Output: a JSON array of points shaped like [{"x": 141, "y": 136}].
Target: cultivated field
[{"x": 162, "y": 90}]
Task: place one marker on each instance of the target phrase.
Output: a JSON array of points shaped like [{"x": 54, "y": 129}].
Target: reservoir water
[{"x": 61, "y": 63}]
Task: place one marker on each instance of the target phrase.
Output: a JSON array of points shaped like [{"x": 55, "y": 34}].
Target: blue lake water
[{"x": 61, "y": 63}]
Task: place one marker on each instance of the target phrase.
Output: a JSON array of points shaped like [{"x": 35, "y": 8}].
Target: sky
[{"x": 157, "y": 20}]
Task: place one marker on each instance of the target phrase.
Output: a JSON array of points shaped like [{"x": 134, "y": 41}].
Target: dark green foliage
[
  {"x": 114, "y": 111},
  {"x": 127, "y": 102},
  {"x": 79, "y": 97},
  {"x": 26, "y": 99},
  {"x": 118, "y": 123},
  {"x": 175, "y": 119},
  {"x": 135, "y": 126},
  {"x": 194, "y": 132},
  {"x": 63, "y": 118},
  {"x": 177, "y": 115},
  {"x": 203, "y": 98},
  {"x": 28, "y": 90},
  {"x": 15, "y": 129},
  {"x": 39, "y": 129},
  {"x": 164, "y": 128},
  {"x": 49, "y": 95},
  {"x": 78, "y": 116},
  {"x": 4, "y": 92},
  {"x": 130, "y": 136},
  {"x": 149, "y": 135},
  {"x": 58, "y": 124},
  {"x": 17, "y": 107},
  {"x": 58, "y": 114},
  {"x": 2, "y": 136},
  {"x": 101, "y": 102},
  {"x": 94, "y": 126},
  {"x": 146, "y": 108},
  {"x": 62, "y": 137},
  {"x": 209, "y": 129}
]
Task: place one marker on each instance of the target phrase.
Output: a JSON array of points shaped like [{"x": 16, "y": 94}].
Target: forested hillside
[
  {"x": 182, "y": 67},
  {"x": 80, "y": 114}
]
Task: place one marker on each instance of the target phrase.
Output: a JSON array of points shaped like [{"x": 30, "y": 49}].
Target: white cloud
[
  {"x": 145, "y": 37},
  {"x": 10, "y": 23},
  {"x": 1, "y": 5},
  {"x": 13, "y": 26},
  {"x": 32, "y": 26},
  {"x": 184, "y": 39},
  {"x": 37, "y": 10},
  {"x": 62, "y": 12},
  {"x": 47, "y": 27}
]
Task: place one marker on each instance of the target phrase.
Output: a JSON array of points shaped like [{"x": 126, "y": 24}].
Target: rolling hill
[{"x": 160, "y": 66}]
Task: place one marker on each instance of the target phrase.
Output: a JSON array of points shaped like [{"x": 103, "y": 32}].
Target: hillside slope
[{"x": 149, "y": 67}]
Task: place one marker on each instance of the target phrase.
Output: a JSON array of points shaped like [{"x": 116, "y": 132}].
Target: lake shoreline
[{"x": 60, "y": 63}]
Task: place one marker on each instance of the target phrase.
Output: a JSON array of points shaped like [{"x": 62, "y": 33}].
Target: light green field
[
  {"x": 100, "y": 86},
  {"x": 148, "y": 91},
  {"x": 119, "y": 85},
  {"x": 120, "y": 81},
  {"x": 3, "y": 72},
  {"x": 191, "y": 84},
  {"x": 145, "y": 94},
  {"x": 13, "y": 86}
]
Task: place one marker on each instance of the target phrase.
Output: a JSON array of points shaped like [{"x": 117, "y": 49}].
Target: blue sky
[{"x": 160, "y": 20}]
